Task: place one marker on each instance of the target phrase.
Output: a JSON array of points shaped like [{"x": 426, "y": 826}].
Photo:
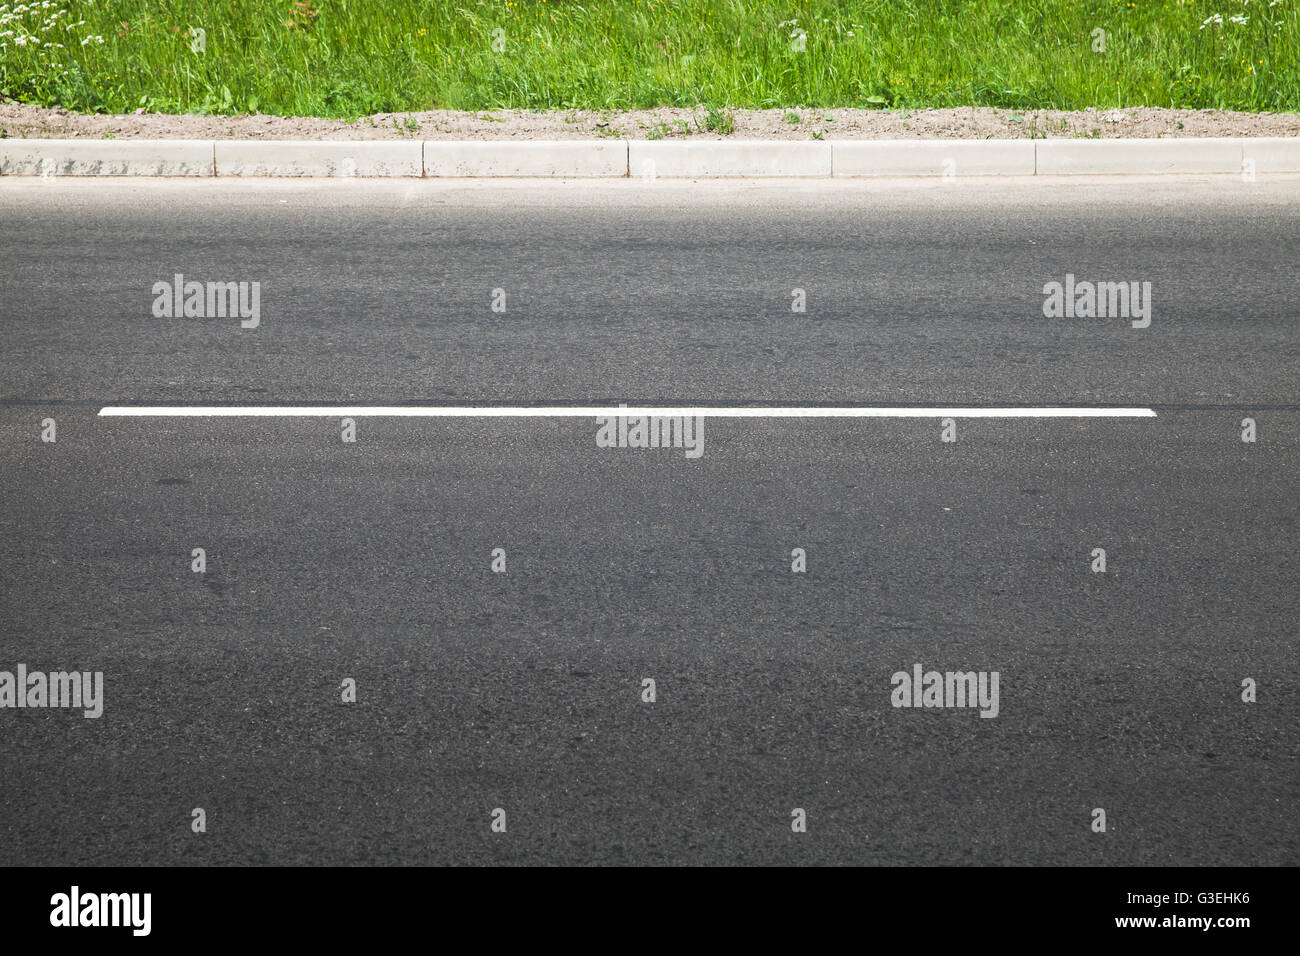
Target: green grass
[{"x": 347, "y": 58}]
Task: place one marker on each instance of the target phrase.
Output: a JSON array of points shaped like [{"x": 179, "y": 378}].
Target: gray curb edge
[{"x": 647, "y": 159}]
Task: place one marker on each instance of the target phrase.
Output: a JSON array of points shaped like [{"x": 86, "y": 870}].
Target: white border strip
[
  {"x": 641, "y": 158},
  {"x": 581, "y": 411}
]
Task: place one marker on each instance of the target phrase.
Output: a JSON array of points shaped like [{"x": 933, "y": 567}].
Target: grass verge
[{"x": 348, "y": 58}]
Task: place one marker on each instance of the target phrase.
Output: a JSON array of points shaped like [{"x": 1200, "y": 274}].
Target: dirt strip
[{"x": 17, "y": 120}]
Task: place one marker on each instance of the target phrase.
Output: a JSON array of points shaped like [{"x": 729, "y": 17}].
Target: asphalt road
[{"x": 522, "y": 690}]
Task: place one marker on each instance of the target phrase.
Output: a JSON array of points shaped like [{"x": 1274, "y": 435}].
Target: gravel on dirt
[{"x": 20, "y": 120}]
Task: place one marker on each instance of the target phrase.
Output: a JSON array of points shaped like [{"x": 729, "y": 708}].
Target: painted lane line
[{"x": 589, "y": 411}]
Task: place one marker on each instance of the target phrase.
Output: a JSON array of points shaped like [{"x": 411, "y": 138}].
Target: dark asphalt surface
[{"x": 522, "y": 690}]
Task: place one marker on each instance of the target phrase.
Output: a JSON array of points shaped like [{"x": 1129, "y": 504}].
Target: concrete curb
[
  {"x": 935, "y": 157},
  {"x": 647, "y": 159},
  {"x": 651, "y": 159},
  {"x": 369, "y": 158},
  {"x": 1069, "y": 157},
  {"x": 563, "y": 158},
  {"x": 134, "y": 157}
]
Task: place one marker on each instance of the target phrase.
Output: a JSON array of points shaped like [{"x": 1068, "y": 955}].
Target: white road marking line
[{"x": 585, "y": 411}]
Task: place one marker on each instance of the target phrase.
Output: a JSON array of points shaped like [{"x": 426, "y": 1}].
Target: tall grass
[{"x": 345, "y": 58}]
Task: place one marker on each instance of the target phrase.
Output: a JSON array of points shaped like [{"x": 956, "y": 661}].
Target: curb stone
[
  {"x": 669, "y": 159},
  {"x": 369, "y": 158}
]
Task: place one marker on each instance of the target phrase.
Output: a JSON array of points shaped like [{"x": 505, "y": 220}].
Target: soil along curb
[{"x": 647, "y": 159}]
